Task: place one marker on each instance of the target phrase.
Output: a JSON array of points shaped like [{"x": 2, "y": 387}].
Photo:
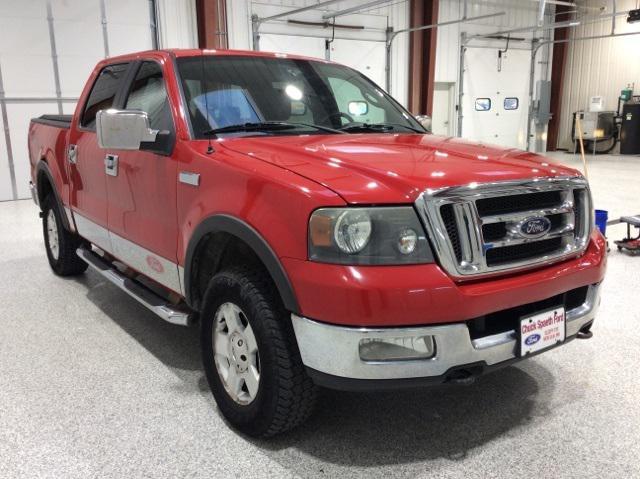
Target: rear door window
[{"x": 103, "y": 93}]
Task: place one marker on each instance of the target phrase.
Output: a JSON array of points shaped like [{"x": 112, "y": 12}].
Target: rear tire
[
  {"x": 250, "y": 355},
  {"x": 61, "y": 245}
]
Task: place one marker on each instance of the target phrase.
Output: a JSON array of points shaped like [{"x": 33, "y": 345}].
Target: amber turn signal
[{"x": 320, "y": 230}]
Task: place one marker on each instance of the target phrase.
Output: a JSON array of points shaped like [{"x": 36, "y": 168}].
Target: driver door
[{"x": 142, "y": 185}]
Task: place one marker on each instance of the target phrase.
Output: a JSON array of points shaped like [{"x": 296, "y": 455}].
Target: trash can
[{"x": 601, "y": 220}]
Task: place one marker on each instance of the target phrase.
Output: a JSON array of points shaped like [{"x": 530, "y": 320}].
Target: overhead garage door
[
  {"x": 495, "y": 102},
  {"x": 365, "y": 56},
  {"x": 36, "y": 38},
  {"x": 294, "y": 45}
]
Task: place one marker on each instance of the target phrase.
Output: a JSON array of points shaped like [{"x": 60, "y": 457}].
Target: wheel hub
[
  {"x": 52, "y": 234},
  {"x": 239, "y": 351},
  {"x": 235, "y": 352}
]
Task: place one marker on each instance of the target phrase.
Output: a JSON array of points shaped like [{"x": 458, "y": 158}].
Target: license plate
[{"x": 542, "y": 330}]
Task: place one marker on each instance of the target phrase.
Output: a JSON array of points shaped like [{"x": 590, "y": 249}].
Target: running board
[{"x": 169, "y": 312}]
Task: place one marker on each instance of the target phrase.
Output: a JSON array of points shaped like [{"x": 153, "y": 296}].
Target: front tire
[
  {"x": 250, "y": 355},
  {"x": 61, "y": 245}
]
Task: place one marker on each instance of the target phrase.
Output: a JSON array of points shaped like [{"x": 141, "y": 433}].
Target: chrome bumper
[
  {"x": 34, "y": 193},
  {"x": 334, "y": 350}
]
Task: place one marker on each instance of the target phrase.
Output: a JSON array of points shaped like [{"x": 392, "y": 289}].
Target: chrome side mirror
[
  {"x": 123, "y": 129},
  {"x": 425, "y": 121}
]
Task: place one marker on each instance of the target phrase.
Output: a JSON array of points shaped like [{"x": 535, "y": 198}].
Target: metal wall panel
[
  {"x": 6, "y": 190},
  {"x": 599, "y": 67},
  {"x": 177, "y": 26},
  {"x": 49, "y": 47}
]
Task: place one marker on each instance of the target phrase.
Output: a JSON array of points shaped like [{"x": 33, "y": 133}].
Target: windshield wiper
[
  {"x": 267, "y": 126},
  {"x": 377, "y": 127}
]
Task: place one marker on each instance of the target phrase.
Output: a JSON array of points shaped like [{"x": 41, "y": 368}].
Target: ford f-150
[{"x": 311, "y": 227}]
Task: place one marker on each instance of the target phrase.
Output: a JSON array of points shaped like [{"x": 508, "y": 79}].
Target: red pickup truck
[{"x": 312, "y": 227}]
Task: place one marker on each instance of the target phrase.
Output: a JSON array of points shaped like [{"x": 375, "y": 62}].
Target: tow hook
[
  {"x": 462, "y": 377},
  {"x": 585, "y": 334}
]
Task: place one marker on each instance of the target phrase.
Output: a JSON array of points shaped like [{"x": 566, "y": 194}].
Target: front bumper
[
  {"x": 421, "y": 295},
  {"x": 331, "y": 353}
]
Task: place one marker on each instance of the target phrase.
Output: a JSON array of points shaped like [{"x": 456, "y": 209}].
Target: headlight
[
  {"x": 383, "y": 235},
  {"x": 352, "y": 231}
]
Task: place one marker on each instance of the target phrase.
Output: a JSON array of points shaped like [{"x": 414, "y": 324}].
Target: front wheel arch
[{"x": 236, "y": 227}]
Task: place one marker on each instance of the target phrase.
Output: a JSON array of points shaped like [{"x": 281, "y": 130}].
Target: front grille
[
  {"x": 494, "y": 231},
  {"x": 508, "y": 319},
  {"x": 452, "y": 231},
  {"x": 497, "y": 227},
  {"x": 509, "y": 254},
  {"x": 514, "y": 203}
]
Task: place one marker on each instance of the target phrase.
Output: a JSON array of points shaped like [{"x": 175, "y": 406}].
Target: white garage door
[
  {"x": 36, "y": 38},
  {"x": 365, "y": 56},
  {"x": 298, "y": 45},
  {"x": 495, "y": 100}
]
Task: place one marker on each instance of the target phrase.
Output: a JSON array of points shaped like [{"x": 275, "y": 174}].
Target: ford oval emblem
[
  {"x": 533, "y": 339},
  {"x": 535, "y": 227},
  {"x": 155, "y": 264}
]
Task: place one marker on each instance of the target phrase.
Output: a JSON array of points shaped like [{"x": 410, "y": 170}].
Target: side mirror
[
  {"x": 123, "y": 129},
  {"x": 425, "y": 121}
]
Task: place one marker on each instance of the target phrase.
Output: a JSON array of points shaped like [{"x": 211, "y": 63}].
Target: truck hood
[{"x": 389, "y": 168}]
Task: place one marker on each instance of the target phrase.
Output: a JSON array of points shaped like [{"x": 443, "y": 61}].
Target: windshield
[{"x": 226, "y": 91}]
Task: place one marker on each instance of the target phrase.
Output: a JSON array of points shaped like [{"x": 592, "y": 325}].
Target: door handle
[
  {"x": 72, "y": 154},
  {"x": 111, "y": 165}
]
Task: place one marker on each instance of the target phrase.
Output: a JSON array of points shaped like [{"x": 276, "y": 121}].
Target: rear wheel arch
[
  {"x": 45, "y": 186},
  {"x": 226, "y": 231}
]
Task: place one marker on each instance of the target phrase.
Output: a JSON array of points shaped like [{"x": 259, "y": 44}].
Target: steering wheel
[{"x": 338, "y": 114}]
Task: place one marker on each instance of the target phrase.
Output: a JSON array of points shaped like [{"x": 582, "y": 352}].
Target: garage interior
[{"x": 92, "y": 384}]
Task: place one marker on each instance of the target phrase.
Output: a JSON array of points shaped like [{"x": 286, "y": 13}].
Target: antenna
[{"x": 206, "y": 102}]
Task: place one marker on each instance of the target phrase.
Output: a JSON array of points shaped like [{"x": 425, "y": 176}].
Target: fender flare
[
  {"x": 229, "y": 224},
  {"x": 42, "y": 168}
]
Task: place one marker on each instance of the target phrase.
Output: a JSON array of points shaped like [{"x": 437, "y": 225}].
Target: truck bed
[{"x": 59, "y": 121}]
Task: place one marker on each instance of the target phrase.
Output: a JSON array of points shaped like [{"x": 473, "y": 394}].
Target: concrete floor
[{"x": 93, "y": 385}]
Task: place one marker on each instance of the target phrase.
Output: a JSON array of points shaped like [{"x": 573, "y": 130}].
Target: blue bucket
[{"x": 601, "y": 220}]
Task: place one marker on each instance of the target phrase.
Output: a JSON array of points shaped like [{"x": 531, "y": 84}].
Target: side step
[{"x": 169, "y": 312}]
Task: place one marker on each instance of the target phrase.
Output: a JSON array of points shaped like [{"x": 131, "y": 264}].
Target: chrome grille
[{"x": 482, "y": 229}]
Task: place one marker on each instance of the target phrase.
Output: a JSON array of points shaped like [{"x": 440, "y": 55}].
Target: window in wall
[
  {"x": 148, "y": 94},
  {"x": 483, "y": 104},
  {"x": 511, "y": 103},
  {"x": 103, "y": 93}
]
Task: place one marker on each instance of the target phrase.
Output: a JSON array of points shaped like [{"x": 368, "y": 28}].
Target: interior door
[
  {"x": 89, "y": 198},
  {"x": 442, "y": 101},
  {"x": 142, "y": 187},
  {"x": 495, "y": 101}
]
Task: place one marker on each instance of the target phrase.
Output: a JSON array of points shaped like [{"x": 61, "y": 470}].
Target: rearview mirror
[
  {"x": 298, "y": 108},
  {"x": 123, "y": 129},
  {"x": 358, "y": 108}
]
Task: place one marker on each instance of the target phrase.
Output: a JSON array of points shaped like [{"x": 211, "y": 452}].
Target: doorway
[{"x": 443, "y": 106}]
